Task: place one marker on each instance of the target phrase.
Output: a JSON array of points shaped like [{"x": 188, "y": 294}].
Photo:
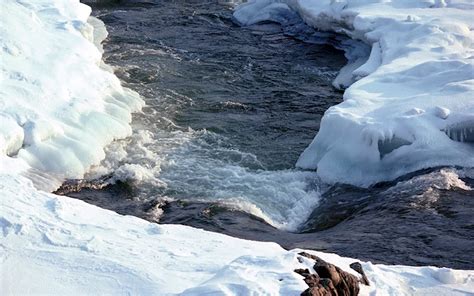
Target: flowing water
[{"x": 229, "y": 110}]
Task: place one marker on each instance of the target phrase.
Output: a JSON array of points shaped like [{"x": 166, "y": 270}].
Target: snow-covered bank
[
  {"x": 59, "y": 106},
  {"x": 410, "y": 105},
  {"x": 77, "y": 248}
]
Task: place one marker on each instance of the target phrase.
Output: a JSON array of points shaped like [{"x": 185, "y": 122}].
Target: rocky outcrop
[
  {"x": 330, "y": 280},
  {"x": 358, "y": 267}
]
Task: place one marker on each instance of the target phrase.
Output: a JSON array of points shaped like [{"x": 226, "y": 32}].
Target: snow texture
[
  {"x": 80, "y": 249},
  {"x": 410, "y": 102},
  {"x": 59, "y": 106}
]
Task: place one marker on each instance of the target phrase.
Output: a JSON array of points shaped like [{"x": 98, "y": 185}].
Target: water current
[{"x": 228, "y": 111}]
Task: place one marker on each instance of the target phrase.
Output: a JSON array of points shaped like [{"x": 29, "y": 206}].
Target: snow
[
  {"x": 77, "y": 248},
  {"x": 57, "y": 123},
  {"x": 410, "y": 101},
  {"x": 59, "y": 107}
]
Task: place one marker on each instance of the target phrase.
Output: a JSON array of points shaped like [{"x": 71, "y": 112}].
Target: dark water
[{"x": 229, "y": 110}]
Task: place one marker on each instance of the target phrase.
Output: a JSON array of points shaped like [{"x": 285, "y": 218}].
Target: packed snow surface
[
  {"x": 80, "y": 249},
  {"x": 410, "y": 104},
  {"x": 59, "y": 107}
]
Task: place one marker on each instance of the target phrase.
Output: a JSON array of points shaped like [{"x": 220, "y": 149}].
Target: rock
[
  {"x": 358, "y": 267},
  {"x": 329, "y": 286},
  {"x": 325, "y": 288},
  {"x": 326, "y": 270},
  {"x": 330, "y": 280},
  {"x": 304, "y": 272},
  {"x": 312, "y": 280}
]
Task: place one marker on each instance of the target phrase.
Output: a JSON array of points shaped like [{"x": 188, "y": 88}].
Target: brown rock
[
  {"x": 304, "y": 272},
  {"x": 329, "y": 281},
  {"x": 329, "y": 286},
  {"x": 326, "y": 270},
  {"x": 316, "y": 291},
  {"x": 310, "y": 256},
  {"x": 358, "y": 267},
  {"x": 312, "y": 280}
]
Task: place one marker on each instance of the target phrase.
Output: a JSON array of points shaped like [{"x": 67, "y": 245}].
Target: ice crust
[
  {"x": 59, "y": 106},
  {"x": 410, "y": 103}
]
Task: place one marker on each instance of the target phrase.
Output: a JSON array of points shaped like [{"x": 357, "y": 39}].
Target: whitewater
[{"x": 55, "y": 125}]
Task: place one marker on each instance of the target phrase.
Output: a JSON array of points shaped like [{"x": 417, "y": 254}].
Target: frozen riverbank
[{"x": 409, "y": 105}]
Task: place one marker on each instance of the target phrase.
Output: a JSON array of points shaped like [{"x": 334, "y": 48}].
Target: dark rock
[
  {"x": 312, "y": 280},
  {"x": 310, "y": 256},
  {"x": 358, "y": 267},
  {"x": 326, "y": 270},
  {"x": 330, "y": 279},
  {"x": 304, "y": 272},
  {"x": 325, "y": 288},
  {"x": 329, "y": 286}
]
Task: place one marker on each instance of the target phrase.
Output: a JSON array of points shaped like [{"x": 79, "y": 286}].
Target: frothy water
[{"x": 229, "y": 109}]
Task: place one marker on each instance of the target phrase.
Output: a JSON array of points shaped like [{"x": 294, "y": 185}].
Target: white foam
[{"x": 193, "y": 166}]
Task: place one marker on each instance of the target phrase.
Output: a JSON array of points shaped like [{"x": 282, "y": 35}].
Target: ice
[
  {"x": 58, "y": 123},
  {"x": 267, "y": 10},
  {"x": 461, "y": 131},
  {"x": 386, "y": 146},
  {"x": 408, "y": 104}
]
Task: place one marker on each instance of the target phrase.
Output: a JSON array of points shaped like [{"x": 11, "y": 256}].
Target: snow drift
[{"x": 410, "y": 103}]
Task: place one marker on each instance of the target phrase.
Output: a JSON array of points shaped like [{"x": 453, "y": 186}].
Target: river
[{"x": 228, "y": 111}]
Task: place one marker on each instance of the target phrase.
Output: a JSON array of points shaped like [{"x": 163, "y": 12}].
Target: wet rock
[
  {"x": 330, "y": 279},
  {"x": 118, "y": 197},
  {"x": 328, "y": 286},
  {"x": 76, "y": 185}
]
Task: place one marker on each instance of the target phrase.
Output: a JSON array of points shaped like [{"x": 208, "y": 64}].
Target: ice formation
[
  {"x": 59, "y": 106},
  {"x": 410, "y": 105}
]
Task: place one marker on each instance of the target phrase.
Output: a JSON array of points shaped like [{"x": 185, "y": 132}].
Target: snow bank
[
  {"x": 59, "y": 106},
  {"x": 80, "y": 249},
  {"x": 410, "y": 105}
]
